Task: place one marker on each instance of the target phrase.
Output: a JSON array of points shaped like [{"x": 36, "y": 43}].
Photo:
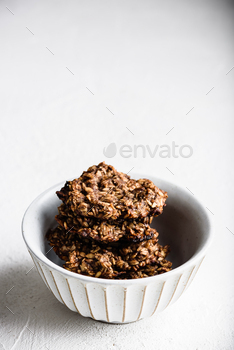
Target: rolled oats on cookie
[
  {"x": 105, "y": 231},
  {"x": 104, "y": 226},
  {"x": 103, "y": 192},
  {"x": 121, "y": 260}
]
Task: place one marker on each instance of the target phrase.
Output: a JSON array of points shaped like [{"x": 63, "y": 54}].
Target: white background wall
[{"x": 63, "y": 66}]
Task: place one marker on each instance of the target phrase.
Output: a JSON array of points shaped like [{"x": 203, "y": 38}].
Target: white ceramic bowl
[{"x": 184, "y": 225}]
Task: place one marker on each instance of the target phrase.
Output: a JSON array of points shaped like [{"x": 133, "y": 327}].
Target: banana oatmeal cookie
[
  {"x": 122, "y": 260},
  {"x": 104, "y": 193}
]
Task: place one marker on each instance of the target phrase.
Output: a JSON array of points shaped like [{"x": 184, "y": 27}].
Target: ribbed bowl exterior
[{"x": 116, "y": 303}]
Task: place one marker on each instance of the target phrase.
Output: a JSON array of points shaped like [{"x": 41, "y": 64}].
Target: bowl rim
[{"x": 161, "y": 277}]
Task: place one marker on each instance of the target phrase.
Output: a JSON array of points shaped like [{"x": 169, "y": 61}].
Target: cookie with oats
[
  {"x": 105, "y": 231},
  {"x": 122, "y": 260},
  {"x": 104, "y": 193}
]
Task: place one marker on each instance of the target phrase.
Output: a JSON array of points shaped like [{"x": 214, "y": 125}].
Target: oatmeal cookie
[
  {"x": 122, "y": 260},
  {"x": 104, "y": 193},
  {"x": 105, "y": 231}
]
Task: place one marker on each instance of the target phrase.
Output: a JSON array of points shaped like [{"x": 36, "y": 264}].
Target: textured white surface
[{"x": 150, "y": 63}]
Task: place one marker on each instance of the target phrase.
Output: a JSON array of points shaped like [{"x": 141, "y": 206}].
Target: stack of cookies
[{"x": 104, "y": 225}]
